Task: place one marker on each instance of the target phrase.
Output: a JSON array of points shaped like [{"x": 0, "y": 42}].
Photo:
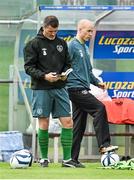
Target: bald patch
[{"x": 84, "y": 23}]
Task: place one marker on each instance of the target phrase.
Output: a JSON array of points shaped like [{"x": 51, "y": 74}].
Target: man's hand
[
  {"x": 102, "y": 85},
  {"x": 52, "y": 77}
]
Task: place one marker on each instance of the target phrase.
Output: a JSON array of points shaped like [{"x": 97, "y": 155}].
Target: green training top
[{"x": 82, "y": 75}]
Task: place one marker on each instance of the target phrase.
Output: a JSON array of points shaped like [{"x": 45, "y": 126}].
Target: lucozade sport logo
[
  {"x": 119, "y": 44},
  {"x": 121, "y": 89},
  {"x": 119, "y": 84},
  {"x": 114, "y": 44}
]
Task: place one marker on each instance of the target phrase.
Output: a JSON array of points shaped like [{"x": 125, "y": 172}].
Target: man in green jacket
[{"x": 83, "y": 102}]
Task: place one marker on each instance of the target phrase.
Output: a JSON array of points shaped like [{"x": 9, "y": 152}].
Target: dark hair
[{"x": 51, "y": 21}]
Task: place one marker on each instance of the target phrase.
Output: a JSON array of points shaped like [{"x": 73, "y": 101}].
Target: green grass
[
  {"x": 55, "y": 171},
  {"x": 6, "y": 58}
]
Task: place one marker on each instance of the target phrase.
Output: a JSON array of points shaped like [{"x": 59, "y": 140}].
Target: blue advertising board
[
  {"x": 119, "y": 84},
  {"x": 114, "y": 45},
  {"x": 87, "y": 7}
]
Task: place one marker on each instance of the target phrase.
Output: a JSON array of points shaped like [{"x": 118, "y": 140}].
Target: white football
[
  {"x": 109, "y": 158},
  {"x": 21, "y": 159}
]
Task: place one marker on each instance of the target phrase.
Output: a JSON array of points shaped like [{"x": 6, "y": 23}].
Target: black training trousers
[{"x": 83, "y": 102}]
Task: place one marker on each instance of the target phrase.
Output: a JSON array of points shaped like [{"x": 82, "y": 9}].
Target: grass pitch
[{"x": 55, "y": 171}]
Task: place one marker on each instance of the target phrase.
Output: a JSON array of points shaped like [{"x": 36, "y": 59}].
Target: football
[
  {"x": 21, "y": 159},
  {"x": 109, "y": 158}
]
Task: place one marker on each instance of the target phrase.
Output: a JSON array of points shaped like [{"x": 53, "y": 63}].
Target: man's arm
[
  {"x": 96, "y": 82},
  {"x": 30, "y": 61},
  {"x": 67, "y": 65}
]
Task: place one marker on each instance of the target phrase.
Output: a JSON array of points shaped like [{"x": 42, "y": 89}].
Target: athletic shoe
[
  {"x": 69, "y": 163},
  {"x": 44, "y": 162},
  {"x": 79, "y": 164},
  {"x": 108, "y": 149}
]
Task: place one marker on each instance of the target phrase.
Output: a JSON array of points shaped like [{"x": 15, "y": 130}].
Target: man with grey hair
[{"x": 83, "y": 102}]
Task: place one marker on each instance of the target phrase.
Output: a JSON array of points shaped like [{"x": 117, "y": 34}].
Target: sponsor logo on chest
[
  {"x": 44, "y": 51},
  {"x": 58, "y": 47}
]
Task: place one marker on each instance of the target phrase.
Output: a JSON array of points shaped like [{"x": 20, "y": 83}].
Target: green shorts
[{"x": 54, "y": 101}]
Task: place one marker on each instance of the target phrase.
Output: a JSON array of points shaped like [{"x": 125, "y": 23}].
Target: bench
[
  {"x": 125, "y": 134},
  {"x": 55, "y": 136}
]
